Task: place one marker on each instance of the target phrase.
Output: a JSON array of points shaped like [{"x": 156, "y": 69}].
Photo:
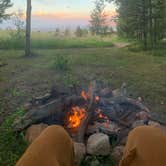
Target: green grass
[
  {"x": 12, "y": 145},
  {"x": 49, "y": 40},
  {"x": 25, "y": 77}
]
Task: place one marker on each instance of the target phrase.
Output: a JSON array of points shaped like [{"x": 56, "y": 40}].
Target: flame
[
  {"x": 77, "y": 114},
  {"x": 84, "y": 95}
]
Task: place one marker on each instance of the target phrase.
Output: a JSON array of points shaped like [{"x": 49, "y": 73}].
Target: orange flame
[
  {"x": 84, "y": 95},
  {"x": 77, "y": 114}
]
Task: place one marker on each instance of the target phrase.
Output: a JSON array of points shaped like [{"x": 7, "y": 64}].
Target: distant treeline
[{"x": 144, "y": 20}]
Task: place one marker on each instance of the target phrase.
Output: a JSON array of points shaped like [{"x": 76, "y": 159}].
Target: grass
[
  {"x": 48, "y": 40},
  {"x": 12, "y": 145},
  {"x": 22, "y": 78}
]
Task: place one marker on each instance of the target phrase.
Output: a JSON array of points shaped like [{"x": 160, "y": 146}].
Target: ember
[
  {"x": 77, "y": 114},
  {"x": 97, "y": 98},
  {"x": 100, "y": 115}
]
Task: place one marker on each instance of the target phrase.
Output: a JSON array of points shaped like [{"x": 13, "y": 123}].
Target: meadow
[
  {"x": 84, "y": 59},
  {"x": 51, "y": 40}
]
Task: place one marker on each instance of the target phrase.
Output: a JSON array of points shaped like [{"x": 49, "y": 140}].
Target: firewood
[
  {"x": 91, "y": 107},
  {"x": 53, "y": 108}
]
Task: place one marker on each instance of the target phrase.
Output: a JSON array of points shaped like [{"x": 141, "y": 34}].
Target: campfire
[
  {"x": 96, "y": 118},
  {"x": 77, "y": 114},
  {"x": 86, "y": 112}
]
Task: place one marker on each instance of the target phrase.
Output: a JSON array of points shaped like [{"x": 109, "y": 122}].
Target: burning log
[
  {"x": 89, "y": 113},
  {"x": 56, "y": 108}
]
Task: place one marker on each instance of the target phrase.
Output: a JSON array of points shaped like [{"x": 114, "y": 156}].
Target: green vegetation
[
  {"x": 61, "y": 62},
  {"x": 98, "y": 18},
  {"x": 12, "y": 145},
  {"x": 98, "y": 161},
  {"x": 49, "y": 40},
  {"x": 142, "y": 20}
]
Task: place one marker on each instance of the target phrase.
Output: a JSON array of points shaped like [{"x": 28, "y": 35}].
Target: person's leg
[
  {"x": 146, "y": 146},
  {"x": 53, "y": 147}
]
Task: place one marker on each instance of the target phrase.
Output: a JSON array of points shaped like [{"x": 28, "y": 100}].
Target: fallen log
[{"x": 53, "y": 94}]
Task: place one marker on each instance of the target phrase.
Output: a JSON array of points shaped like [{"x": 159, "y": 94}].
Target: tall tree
[
  {"x": 4, "y": 5},
  {"x": 144, "y": 20},
  {"x": 98, "y": 17},
  {"x": 28, "y": 29}
]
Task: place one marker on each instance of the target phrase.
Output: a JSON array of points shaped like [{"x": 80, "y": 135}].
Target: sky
[{"x": 49, "y": 14}]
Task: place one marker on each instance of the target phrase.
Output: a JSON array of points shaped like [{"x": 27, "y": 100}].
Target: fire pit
[
  {"x": 77, "y": 113},
  {"x": 98, "y": 117}
]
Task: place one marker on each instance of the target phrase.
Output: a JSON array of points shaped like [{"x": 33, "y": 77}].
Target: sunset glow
[{"x": 48, "y": 14}]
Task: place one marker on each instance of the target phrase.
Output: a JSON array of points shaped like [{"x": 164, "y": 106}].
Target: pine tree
[
  {"x": 143, "y": 20},
  {"x": 98, "y": 17}
]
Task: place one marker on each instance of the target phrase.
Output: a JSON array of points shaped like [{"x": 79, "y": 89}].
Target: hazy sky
[{"x": 48, "y": 14}]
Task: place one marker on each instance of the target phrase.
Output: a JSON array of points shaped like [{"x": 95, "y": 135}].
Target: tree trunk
[
  {"x": 151, "y": 23},
  {"x": 155, "y": 31},
  {"x": 28, "y": 29},
  {"x": 144, "y": 25}
]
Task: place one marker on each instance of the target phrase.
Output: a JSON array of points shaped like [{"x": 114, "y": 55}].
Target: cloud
[
  {"x": 67, "y": 15},
  {"x": 61, "y": 15}
]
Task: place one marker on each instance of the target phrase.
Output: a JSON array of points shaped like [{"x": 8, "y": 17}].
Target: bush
[
  {"x": 16, "y": 36},
  {"x": 79, "y": 32},
  {"x": 61, "y": 63},
  {"x": 12, "y": 145}
]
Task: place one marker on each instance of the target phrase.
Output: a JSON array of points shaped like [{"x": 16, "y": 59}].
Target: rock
[
  {"x": 117, "y": 153},
  {"x": 27, "y": 106},
  {"x": 98, "y": 144},
  {"x": 34, "y": 131},
  {"x": 112, "y": 127},
  {"x": 116, "y": 92},
  {"x": 138, "y": 123},
  {"x": 142, "y": 116},
  {"x": 95, "y": 163},
  {"x": 106, "y": 92},
  {"x": 80, "y": 151},
  {"x": 140, "y": 99},
  {"x": 154, "y": 124}
]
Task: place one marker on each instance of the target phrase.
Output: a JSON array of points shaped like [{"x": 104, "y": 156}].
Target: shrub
[
  {"x": 16, "y": 36},
  {"x": 61, "y": 63},
  {"x": 79, "y": 32},
  {"x": 12, "y": 144}
]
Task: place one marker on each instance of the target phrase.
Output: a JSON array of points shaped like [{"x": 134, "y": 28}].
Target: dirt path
[{"x": 120, "y": 44}]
